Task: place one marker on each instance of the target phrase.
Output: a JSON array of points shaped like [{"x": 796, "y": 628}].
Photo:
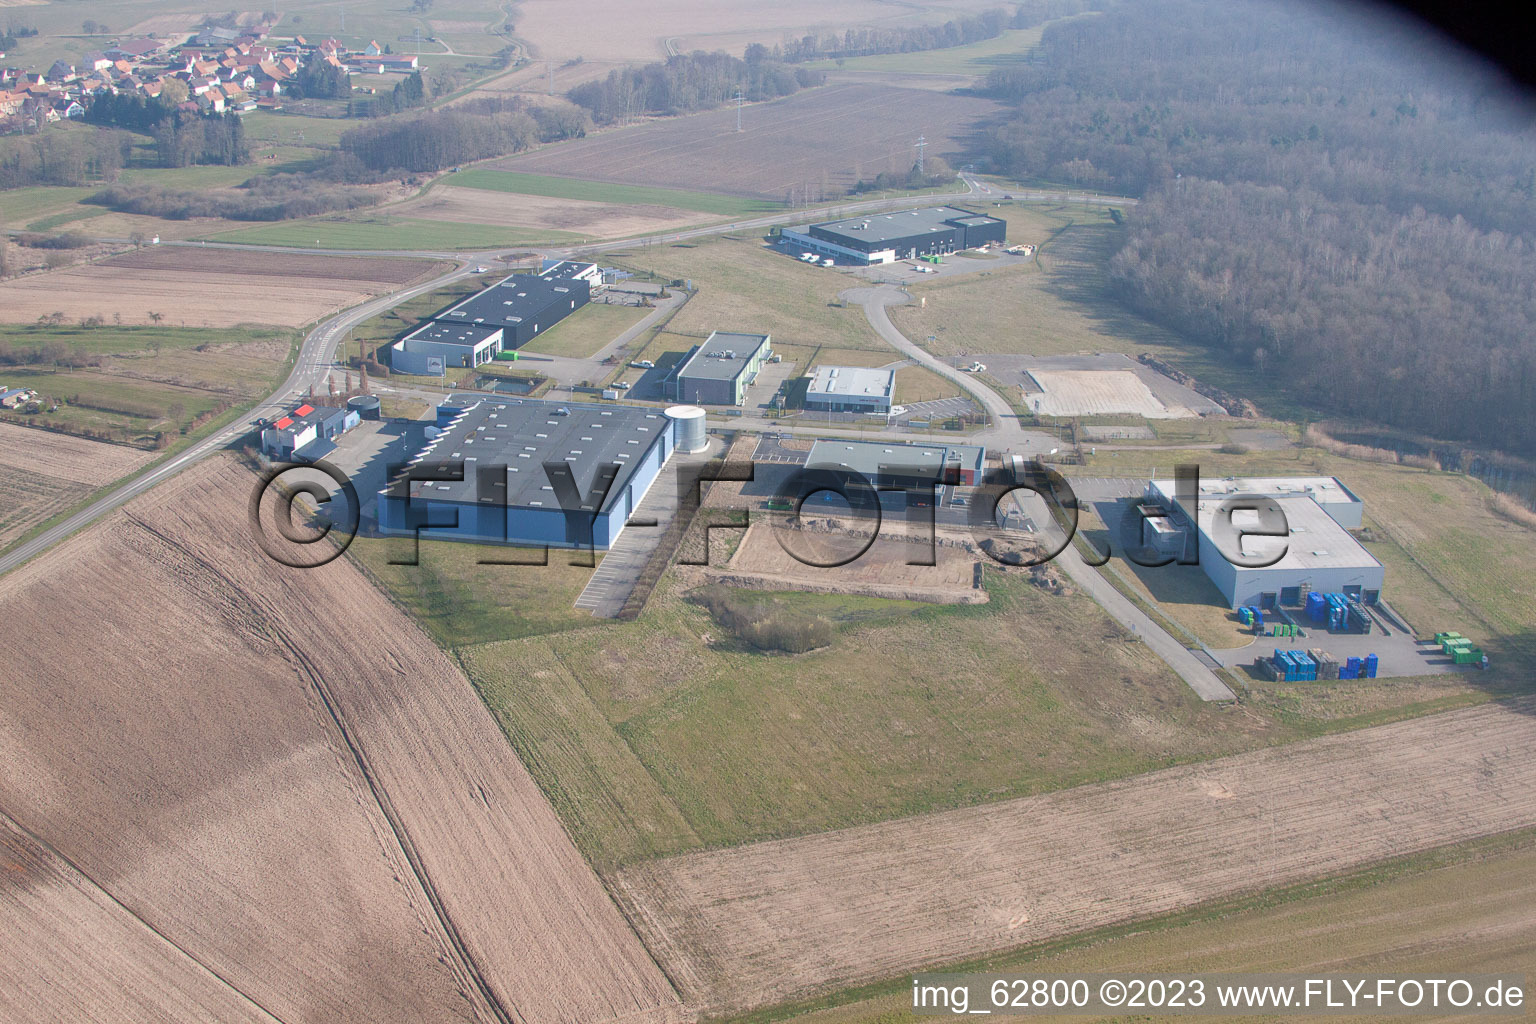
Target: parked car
[
  {"x": 562, "y": 411},
  {"x": 622, "y": 385},
  {"x": 643, "y": 364}
]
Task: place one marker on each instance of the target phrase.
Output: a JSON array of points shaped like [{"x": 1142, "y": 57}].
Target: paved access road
[{"x": 1007, "y": 434}]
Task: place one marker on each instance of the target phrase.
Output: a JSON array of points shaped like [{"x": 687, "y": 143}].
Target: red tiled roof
[
  {"x": 283, "y": 424},
  {"x": 304, "y": 410}
]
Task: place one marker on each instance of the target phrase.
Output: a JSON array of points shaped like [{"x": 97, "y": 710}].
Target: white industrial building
[
  {"x": 851, "y": 389},
  {"x": 1319, "y": 552}
]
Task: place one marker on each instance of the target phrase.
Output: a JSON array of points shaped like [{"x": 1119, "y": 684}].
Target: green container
[{"x": 1467, "y": 655}]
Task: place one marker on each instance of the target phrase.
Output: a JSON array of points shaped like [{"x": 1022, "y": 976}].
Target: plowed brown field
[
  {"x": 194, "y": 286},
  {"x": 776, "y": 921},
  {"x": 43, "y": 473},
  {"x": 831, "y": 136},
  {"x": 275, "y": 775}
]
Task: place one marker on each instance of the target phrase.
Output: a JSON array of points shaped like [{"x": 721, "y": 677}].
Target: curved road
[{"x": 1008, "y": 433}]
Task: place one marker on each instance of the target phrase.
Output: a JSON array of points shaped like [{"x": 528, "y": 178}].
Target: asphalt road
[
  {"x": 315, "y": 361},
  {"x": 1007, "y": 433}
]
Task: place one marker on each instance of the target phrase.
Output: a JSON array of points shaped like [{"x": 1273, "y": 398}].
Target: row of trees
[
  {"x": 688, "y": 83},
  {"x": 1326, "y": 196},
  {"x": 62, "y": 158},
  {"x": 862, "y": 42},
  {"x": 433, "y": 140}
]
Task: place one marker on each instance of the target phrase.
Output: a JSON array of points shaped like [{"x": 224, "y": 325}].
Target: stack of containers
[
  {"x": 1317, "y": 607},
  {"x": 1327, "y": 664},
  {"x": 1350, "y": 669},
  {"x": 1459, "y": 649},
  {"x": 1370, "y": 666},
  {"x": 1295, "y": 666}
]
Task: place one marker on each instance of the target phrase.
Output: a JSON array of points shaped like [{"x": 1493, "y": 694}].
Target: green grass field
[
  {"x": 377, "y": 232},
  {"x": 587, "y": 330},
  {"x": 818, "y": 741},
  {"x": 462, "y": 602},
  {"x": 152, "y": 379},
  {"x": 603, "y": 192}
]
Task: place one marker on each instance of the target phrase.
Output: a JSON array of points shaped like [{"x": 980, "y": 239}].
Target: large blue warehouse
[{"x": 507, "y": 496}]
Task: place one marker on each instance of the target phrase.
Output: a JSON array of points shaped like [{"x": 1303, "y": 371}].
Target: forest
[
  {"x": 687, "y": 83},
  {"x": 1337, "y": 201}
]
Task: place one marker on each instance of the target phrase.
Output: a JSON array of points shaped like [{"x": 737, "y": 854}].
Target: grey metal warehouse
[
  {"x": 903, "y": 235},
  {"x": 1319, "y": 554},
  {"x": 522, "y": 306},
  {"x": 501, "y": 449},
  {"x": 719, "y": 371},
  {"x": 507, "y": 315},
  {"x": 851, "y": 389}
]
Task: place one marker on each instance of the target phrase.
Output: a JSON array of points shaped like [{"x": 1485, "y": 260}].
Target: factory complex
[
  {"x": 503, "y": 317},
  {"x": 534, "y": 473},
  {"x": 1317, "y": 553},
  {"x": 903, "y": 235}
]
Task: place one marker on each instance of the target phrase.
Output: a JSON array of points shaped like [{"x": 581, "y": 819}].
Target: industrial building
[
  {"x": 308, "y": 433},
  {"x": 1319, "y": 552},
  {"x": 438, "y": 345},
  {"x": 719, "y": 371},
  {"x": 903, "y": 235},
  {"x": 501, "y": 448},
  {"x": 522, "y": 305},
  {"x": 507, "y": 315},
  {"x": 851, "y": 389},
  {"x": 896, "y": 465}
]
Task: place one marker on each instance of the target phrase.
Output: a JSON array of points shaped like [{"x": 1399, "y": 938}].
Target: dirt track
[
  {"x": 280, "y": 775},
  {"x": 774, "y": 921}
]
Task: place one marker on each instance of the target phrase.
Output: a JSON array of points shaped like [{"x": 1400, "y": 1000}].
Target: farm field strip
[
  {"x": 56, "y": 922},
  {"x": 199, "y": 287},
  {"x": 762, "y": 924},
  {"x": 372, "y": 805},
  {"x": 826, "y": 136}
]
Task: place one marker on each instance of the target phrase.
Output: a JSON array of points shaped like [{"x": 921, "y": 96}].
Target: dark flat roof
[
  {"x": 885, "y": 227},
  {"x": 512, "y": 300},
  {"x": 522, "y": 435},
  {"x": 448, "y": 332},
  {"x": 709, "y": 361}
]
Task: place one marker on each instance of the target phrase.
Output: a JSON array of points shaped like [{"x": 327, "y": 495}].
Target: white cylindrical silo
[{"x": 688, "y": 428}]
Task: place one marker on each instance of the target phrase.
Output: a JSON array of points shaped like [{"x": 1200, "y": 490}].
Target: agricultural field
[
  {"x": 385, "y": 232},
  {"x": 42, "y": 473},
  {"x": 189, "y": 286},
  {"x": 525, "y": 213},
  {"x": 863, "y": 904},
  {"x": 613, "y": 30},
  {"x": 142, "y": 385},
  {"x": 606, "y": 192},
  {"x": 818, "y": 141},
  {"x": 974, "y": 59},
  {"x": 1458, "y": 910},
  {"x": 337, "y": 788}
]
